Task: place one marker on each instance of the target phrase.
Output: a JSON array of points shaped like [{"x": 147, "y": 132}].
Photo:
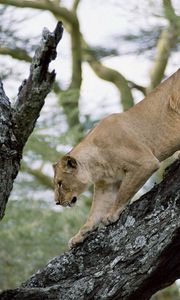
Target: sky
[{"x": 102, "y": 25}]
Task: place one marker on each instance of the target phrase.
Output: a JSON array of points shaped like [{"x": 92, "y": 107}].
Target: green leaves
[{"x": 32, "y": 233}]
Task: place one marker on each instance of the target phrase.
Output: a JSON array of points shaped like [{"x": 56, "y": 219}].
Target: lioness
[{"x": 119, "y": 155}]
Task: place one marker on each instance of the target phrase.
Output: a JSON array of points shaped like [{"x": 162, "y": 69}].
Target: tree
[
  {"x": 17, "y": 123},
  {"x": 165, "y": 41},
  {"x": 130, "y": 259}
]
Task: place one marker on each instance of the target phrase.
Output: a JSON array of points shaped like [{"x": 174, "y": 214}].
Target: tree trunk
[
  {"x": 17, "y": 123},
  {"x": 129, "y": 260},
  {"x": 9, "y": 156}
]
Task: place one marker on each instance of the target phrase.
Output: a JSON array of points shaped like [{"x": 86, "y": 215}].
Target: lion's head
[{"x": 67, "y": 184}]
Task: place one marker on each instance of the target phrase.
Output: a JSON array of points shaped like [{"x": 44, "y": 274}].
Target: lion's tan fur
[{"x": 121, "y": 153}]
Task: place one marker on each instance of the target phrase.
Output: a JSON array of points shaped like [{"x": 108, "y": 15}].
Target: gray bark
[
  {"x": 17, "y": 123},
  {"x": 129, "y": 260}
]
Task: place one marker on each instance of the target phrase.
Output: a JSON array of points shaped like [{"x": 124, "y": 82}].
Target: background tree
[{"x": 159, "y": 41}]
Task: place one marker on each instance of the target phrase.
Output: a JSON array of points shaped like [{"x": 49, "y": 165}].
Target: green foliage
[
  {"x": 39, "y": 146},
  {"x": 170, "y": 293},
  {"x": 31, "y": 234},
  {"x": 101, "y": 52}
]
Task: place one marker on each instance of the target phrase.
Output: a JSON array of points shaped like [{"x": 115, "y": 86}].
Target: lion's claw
[
  {"x": 110, "y": 219},
  {"x": 75, "y": 240}
]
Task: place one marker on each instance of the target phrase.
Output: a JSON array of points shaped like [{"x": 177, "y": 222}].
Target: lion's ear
[
  {"x": 69, "y": 163},
  {"x": 174, "y": 102}
]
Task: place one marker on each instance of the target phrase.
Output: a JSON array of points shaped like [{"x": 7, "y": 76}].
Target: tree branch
[
  {"x": 128, "y": 260},
  {"x": 21, "y": 54},
  {"x": 63, "y": 12},
  {"x": 138, "y": 87},
  {"x": 75, "y": 5},
  {"x": 70, "y": 18},
  {"x": 16, "y": 53},
  {"x": 170, "y": 12},
  {"x": 33, "y": 91},
  {"x": 117, "y": 79},
  {"x": 17, "y": 124},
  {"x": 9, "y": 156},
  {"x": 42, "y": 178},
  {"x": 70, "y": 98},
  {"x": 166, "y": 42}
]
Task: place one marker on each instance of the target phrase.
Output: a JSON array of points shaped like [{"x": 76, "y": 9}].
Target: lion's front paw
[
  {"x": 105, "y": 221},
  {"x": 109, "y": 219},
  {"x": 75, "y": 240}
]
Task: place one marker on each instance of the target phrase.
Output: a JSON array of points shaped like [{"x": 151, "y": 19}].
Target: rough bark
[
  {"x": 17, "y": 123},
  {"x": 129, "y": 260},
  {"x": 9, "y": 156}
]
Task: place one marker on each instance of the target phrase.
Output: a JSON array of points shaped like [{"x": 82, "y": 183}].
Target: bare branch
[
  {"x": 170, "y": 12},
  {"x": 138, "y": 87},
  {"x": 62, "y": 12},
  {"x": 8, "y": 151},
  {"x": 167, "y": 40},
  {"x": 70, "y": 97},
  {"x": 110, "y": 75},
  {"x": 72, "y": 25},
  {"x": 16, "y": 53},
  {"x": 22, "y": 54},
  {"x": 75, "y": 5},
  {"x": 18, "y": 123},
  {"x": 33, "y": 92},
  {"x": 43, "y": 179}
]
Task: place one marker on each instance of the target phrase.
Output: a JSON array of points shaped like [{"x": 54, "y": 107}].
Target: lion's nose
[{"x": 74, "y": 199}]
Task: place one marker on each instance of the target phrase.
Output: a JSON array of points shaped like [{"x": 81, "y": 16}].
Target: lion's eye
[{"x": 60, "y": 183}]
